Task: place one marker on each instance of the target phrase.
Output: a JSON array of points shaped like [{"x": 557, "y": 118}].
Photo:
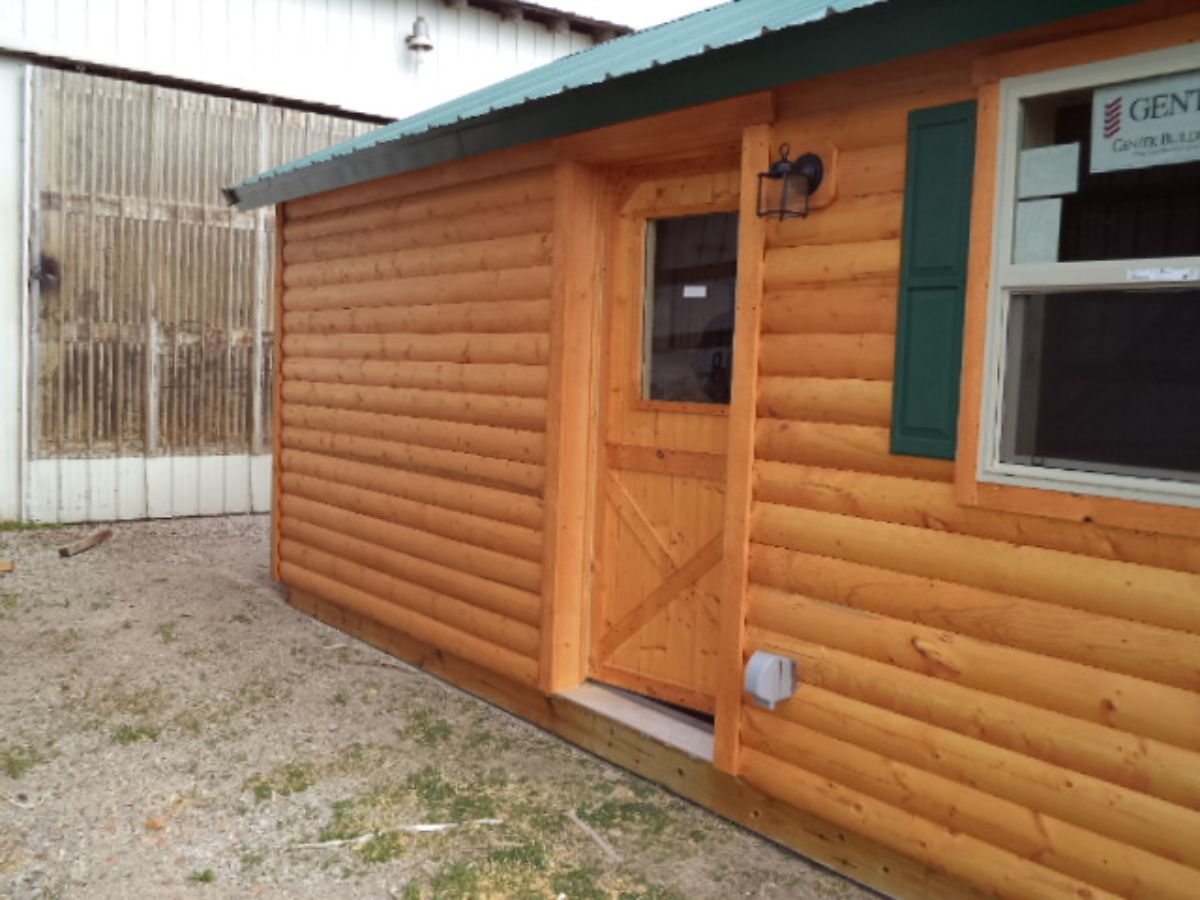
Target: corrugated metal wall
[
  {"x": 270, "y": 46},
  {"x": 152, "y": 308}
]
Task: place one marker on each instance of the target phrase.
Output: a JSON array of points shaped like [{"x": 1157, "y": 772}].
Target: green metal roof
[{"x": 736, "y": 48}]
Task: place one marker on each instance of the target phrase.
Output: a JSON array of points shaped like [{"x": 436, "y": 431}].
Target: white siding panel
[
  {"x": 347, "y": 53},
  {"x": 12, "y": 287}
]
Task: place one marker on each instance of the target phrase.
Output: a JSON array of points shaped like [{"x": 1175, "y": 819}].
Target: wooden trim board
[{"x": 689, "y": 777}]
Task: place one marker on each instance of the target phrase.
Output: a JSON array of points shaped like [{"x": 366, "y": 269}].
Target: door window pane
[{"x": 691, "y": 264}]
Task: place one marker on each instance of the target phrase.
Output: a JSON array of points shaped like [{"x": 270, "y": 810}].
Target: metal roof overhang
[{"x": 849, "y": 40}]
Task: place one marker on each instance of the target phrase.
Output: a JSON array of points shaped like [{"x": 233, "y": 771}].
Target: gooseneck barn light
[
  {"x": 419, "y": 40},
  {"x": 784, "y": 189}
]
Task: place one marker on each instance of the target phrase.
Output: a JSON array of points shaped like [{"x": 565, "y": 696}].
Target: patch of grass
[
  {"x": 444, "y": 802},
  {"x": 206, "y": 876},
  {"x": 412, "y": 891},
  {"x": 7, "y": 526},
  {"x": 458, "y": 882},
  {"x": 345, "y": 825},
  {"x": 626, "y": 814},
  {"x": 17, "y": 759},
  {"x": 242, "y": 618},
  {"x": 382, "y": 847},
  {"x": 427, "y": 729},
  {"x": 128, "y": 734},
  {"x": 10, "y": 601},
  {"x": 529, "y": 856},
  {"x": 578, "y": 884},
  {"x": 339, "y": 699},
  {"x": 252, "y": 860},
  {"x": 293, "y": 778},
  {"x": 166, "y": 631}
]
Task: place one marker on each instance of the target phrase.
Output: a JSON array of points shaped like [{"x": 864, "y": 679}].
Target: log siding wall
[
  {"x": 1012, "y": 699},
  {"x": 415, "y": 345}
]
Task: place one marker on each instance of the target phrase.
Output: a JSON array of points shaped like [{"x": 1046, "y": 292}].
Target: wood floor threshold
[{"x": 624, "y": 736}]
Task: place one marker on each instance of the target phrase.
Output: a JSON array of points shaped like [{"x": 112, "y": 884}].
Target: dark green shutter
[{"x": 933, "y": 280}]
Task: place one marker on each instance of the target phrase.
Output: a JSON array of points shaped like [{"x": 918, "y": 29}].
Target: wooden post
[
  {"x": 739, "y": 460},
  {"x": 576, "y": 301}
]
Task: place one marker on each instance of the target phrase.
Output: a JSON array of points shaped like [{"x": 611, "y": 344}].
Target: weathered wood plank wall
[{"x": 415, "y": 348}]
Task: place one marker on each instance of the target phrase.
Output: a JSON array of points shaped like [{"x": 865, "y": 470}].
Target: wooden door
[{"x": 661, "y": 471}]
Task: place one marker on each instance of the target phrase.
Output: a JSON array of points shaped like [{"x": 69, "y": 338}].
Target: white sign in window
[{"x": 1138, "y": 124}]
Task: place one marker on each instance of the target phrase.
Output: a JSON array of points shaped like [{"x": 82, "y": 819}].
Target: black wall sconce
[{"x": 784, "y": 189}]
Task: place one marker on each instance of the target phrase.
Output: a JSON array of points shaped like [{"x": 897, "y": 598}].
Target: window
[
  {"x": 1094, "y": 333},
  {"x": 691, "y": 281}
]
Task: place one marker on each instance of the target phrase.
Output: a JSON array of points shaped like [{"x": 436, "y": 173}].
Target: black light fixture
[{"x": 784, "y": 189}]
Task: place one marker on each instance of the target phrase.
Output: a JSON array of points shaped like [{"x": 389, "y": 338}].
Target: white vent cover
[{"x": 770, "y": 678}]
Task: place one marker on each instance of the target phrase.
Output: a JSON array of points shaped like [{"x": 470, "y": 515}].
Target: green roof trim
[{"x": 734, "y": 49}]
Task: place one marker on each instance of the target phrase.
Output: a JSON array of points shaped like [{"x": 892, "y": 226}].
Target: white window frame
[{"x": 1009, "y": 278}]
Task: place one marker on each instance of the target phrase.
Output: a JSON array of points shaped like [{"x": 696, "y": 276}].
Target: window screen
[
  {"x": 1105, "y": 381},
  {"x": 691, "y": 267}
]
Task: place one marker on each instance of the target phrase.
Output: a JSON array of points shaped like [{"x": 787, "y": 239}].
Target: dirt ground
[{"x": 169, "y": 727}]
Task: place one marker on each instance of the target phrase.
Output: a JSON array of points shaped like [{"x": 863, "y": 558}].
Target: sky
[{"x": 636, "y": 13}]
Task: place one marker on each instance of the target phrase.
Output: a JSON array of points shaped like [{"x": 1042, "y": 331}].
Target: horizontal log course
[
  {"x": 480, "y": 470},
  {"x": 1125, "y": 590},
  {"x": 932, "y": 505},
  {"x": 508, "y": 380},
  {"x": 522, "y": 349},
  {"x": 502, "y": 316},
  {"x": 845, "y": 307},
  {"x": 380, "y": 211},
  {"x": 421, "y": 584},
  {"x": 511, "y": 540},
  {"x": 479, "y": 440},
  {"x": 976, "y": 862},
  {"x": 1120, "y": 701},
  {"x": 394, "y": 615},
  {"x": 865, "y": 356},
  {"x": 1118, "y": 645},
  {"x": 1062, "y": 846},
  {"x": 786, "y": 266},
  {"x": 851, "y": 220},
  {"x": 515, "y": 252},
  {"x": 523, "y": 413},
  {"x": 446, "y": 493},
  {"x": 1114, "y": 769},
  {"x": 525, "y": 218},
  {"x": 519, "y": 573},
  {"x": 846, "y": 401},
  {"x": 855, "y": 448},
  {"x": 871, "y": 170},
  {"x": 531, "y": 283}
]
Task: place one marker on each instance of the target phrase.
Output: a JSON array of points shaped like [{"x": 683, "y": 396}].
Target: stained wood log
[
  {"x": 1111, "y": 759},
  {"x": 480, "y": 440},
  {"x": 1125, "y": 590},
  {"x": 483, "y": 470},
  {"x": 1118, "y": 645},
  {"x": 378, "y": 210},
  {"x": 500, "y": 379},
  {"x": 446, "y": 493},
  {"x": 518, "y": 251},
  {"x": 436, "y": 590},
  {"x": 1064, "y": 847},
  {"x": 459, "y": 287},
  {"x": 503, "y": 316},
  {"x": 838, "y": 262},
  {"x": 845, "y": 401},
  {"x": 523, "y": 413},
  {"x": 853, "y": 219},
  {"x": 522, "y": 349},
  {"x": 866, "y": 356},
  {"x": 393, "y": 615},
  {"x": 872, "y": 170},
  {"x": 527, "y": 218},
  {"x": 867, "y": 307},
  {"x": 976, "y": 862},
  {"x": 511, "y": 540},
  {"x": 856, "y": 448},
  {"x": 519, "y": 573},
  {"x": 1120, "y": 701},
  {"x": 907, "y": 501}
]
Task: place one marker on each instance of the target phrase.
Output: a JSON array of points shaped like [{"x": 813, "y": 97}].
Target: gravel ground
[{"x": 169, "y": 727}]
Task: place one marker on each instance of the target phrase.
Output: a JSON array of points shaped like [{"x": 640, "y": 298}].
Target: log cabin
[{"x": 797, "y": 404}]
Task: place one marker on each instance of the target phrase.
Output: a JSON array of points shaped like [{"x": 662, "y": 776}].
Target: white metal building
[{"x": 135, "y": 327}]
